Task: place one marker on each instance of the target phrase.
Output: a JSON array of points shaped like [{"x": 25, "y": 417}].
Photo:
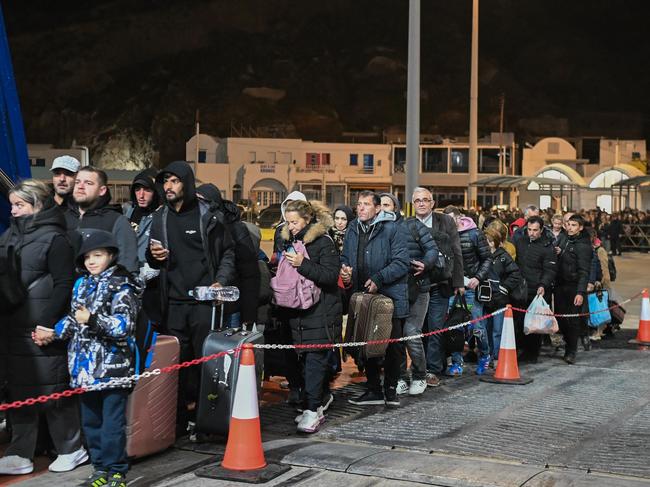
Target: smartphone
[
  {"x": 290, "y": 250},
  {"x": 153, "y": 241}
]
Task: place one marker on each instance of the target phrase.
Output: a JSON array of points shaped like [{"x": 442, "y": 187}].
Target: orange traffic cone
[
  {"x": 244, "y": 459},
  {"x": 643, "y": 335},
  {"x": 507, "y": 369},
  {"x": 244, "y": 448}
]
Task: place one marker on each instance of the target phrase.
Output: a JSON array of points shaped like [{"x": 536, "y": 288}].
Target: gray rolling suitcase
[{"x": 219, "y": 377}]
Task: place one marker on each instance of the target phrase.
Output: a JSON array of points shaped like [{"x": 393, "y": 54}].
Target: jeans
[
  {"x": 479, "y": 327},
  {"x": 438, "y": 306},
  {"x": 103, "y": 417},
  {"x": 494, "y": 327},
  {"x": 392, "y": 361},
  {"x": 413, "y": 326}
]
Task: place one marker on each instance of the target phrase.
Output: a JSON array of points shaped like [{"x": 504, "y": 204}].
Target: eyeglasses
[{"x": 422, "y": 201}]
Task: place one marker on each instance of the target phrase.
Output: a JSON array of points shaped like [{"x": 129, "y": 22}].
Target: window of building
[
  {"x": 399, "y": 159},
  {"x": 311, "y": 191},
  {"x": 368, "y": 163},
  {"x": 460, "y": 160},
  {"x": 203, "y": 155},
  {"x": 325, "y": 159},
  {"x": 252, "y": 156},
  {"x": 550, "y": 174},
  {"x": 37, "y": 162},
  {"x": 488, "y": 161},
  {"x": 553, "y": 148},
  {"x": 312, "y": 159},
  {"x": 607, "y": 178},
  {"x": 434, "y": 160},
  {"x": 354, "y": 159},
  {"x": 591, "y": 150},
  {"x": 448, "y": 196},
  {"x": 271, "y": 157}
]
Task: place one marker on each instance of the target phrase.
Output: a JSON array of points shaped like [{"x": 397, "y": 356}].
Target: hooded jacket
[
  {"x": 101, "y": 349},
  {"x": 47, "y": 272},
  {"x": 277, "y": 236},
  {"x": 322, "y": 323},
  {"x": 475, "y": 249},
  {"x": 218, "y": 255},
  {"x": 104, "y": 216},
  {"x": 247, "y": 269},
  {"x": 386, "y": 258},
  {"x": 141, "y": 218}
]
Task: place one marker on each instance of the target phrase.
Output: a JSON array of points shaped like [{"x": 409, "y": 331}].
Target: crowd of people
[{"x": 81, "y": 273}]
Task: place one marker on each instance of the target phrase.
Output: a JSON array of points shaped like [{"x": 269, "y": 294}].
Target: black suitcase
[{"x": 219, "y": 377}]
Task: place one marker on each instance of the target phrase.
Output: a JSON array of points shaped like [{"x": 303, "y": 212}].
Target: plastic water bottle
[{"x": 207, "y": 293}]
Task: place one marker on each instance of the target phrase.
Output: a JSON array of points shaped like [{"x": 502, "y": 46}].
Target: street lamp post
[
  {"x": 473, "y": 110},
  {"x": 412, "y": 104}
]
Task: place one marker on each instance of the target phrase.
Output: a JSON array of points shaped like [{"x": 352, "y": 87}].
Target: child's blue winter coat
[{"x": 101, "y": 349}]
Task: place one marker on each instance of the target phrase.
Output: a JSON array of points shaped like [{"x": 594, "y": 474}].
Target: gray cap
[{"x": 68, "y": 163}]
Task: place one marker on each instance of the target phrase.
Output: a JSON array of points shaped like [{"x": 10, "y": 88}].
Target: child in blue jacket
[{"x": 100, "y": 328}]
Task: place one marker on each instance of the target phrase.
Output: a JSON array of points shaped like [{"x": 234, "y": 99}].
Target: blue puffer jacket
[
  {"x": 101, "y": 349},
  {"x": 386, "y": 259}
]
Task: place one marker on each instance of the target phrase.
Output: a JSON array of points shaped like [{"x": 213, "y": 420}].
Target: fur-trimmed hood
[{"x": 323, "y": 221}]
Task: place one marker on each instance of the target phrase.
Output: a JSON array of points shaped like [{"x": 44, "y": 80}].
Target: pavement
[{"x": 581, "y": 425}]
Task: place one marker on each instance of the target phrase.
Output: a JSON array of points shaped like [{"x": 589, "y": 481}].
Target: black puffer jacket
[
  {"x": 504, "y": 277},
  {"x": 475, "y": 249},
  {"x": 322, "y": 323},
  {"x": 575, "y": 262},
  {"x": 47, "y": 271},
  {"x": 422, "y": 247},
  {"x": 537, "y": 262}
]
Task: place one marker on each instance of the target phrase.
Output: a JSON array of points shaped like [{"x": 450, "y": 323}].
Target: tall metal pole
[
  {"x": 473, "y": 109},
  {"x": 413, "y": 105}
]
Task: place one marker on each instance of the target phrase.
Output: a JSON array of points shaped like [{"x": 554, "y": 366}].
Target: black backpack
[
  {"x": 454, "y": 340},
  {"x": 13, "y": 292}
]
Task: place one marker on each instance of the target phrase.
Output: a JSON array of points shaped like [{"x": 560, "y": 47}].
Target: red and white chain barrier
[{"x": 126, "y": 382}]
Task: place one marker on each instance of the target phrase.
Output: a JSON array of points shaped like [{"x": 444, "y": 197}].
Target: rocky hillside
[{"x": 126, "y": 77}]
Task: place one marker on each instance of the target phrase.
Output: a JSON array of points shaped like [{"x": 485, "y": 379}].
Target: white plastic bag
[{"x": 539, "y": 318}]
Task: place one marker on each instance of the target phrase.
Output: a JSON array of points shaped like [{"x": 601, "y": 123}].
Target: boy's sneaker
[
  {"x": 311, "y": 420},
  {"x": 402, "y": 387},
  {"x": 392, "y": 399},
  {"x": 70, "y": 461},
  {"x": 455, "y": 370},
  {"x": 117, "y": 480},
  {"x": 432, "y": 380},
  {"x": 483, "y": 365},
  {"x": 15, "y": 465},
  {"x": 368, "y": 398},
  {"x": 417, "y": 387},
  {"x": 98, "y": 478}
]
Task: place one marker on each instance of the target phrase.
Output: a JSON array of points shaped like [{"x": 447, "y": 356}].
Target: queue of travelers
[{"x": 88, "y": 269}]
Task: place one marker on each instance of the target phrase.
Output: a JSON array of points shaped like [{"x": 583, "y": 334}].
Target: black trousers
[
  {"x": 317, "y": 374},
  {"x": 570, "y": 327},
  {"x": 529, "y": 345},
  {"x": 393, "y": 358},
  {"x": 190, "y": 323},
  {"x": 63, "y": 424}
]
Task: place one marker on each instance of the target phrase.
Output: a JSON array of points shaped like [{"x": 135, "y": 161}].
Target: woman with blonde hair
[
  {"x": 501, "y": 227},
  {"x": 45, "y": 274},
  {"x": 307, "y": 225}
]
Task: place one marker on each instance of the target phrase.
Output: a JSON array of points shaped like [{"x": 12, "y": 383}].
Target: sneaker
[
  {"x": 483, "y": 365},
  {"x": 570, "y": 358},
  {"x": 311, "y": 421},
  {"x": 98, "y": 478},
  {"x": 392, "y": 399},
  {"x": 417, "y": 387},
  {"x": 455, "y": 370},
  {"x": 368, "y": 398},
  {"x": 70, "y": 461},
  {"x": 15, "y": 465},
  {"x": 116, "y": 480},
  {"x": 432, "y": 380},
  {"x": 402, "y": 387}
]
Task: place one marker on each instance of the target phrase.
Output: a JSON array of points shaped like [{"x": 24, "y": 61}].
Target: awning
[
  {"x": 632, "y": 182},
  {"x": 503, "y": 182}
]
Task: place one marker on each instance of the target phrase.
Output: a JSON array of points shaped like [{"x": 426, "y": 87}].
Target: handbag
[
  {"x": 598, "y": 309},
  {"x": 454, "y": 340}
]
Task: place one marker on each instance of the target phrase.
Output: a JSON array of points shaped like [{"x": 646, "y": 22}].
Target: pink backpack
[{"x": 290, "y": 288}]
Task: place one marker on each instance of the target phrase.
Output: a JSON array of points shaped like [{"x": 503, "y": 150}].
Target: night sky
[{"x": 89, "y": 70}]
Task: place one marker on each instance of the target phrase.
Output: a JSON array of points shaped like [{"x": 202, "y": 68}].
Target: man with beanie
[
  {"x": 191, "y": 247},
  {"x": 64, "y": 171},
  {"x": 243, "y": 310}
]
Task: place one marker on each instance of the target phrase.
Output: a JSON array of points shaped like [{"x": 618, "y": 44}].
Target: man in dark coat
[
  {"x": 191, "y": 247},
  {"x": 91, "y": 209},
  {"x": 375, "y": 259},
  {"x": 537, "y": 261},
  {"x": 573, "y": 276}
]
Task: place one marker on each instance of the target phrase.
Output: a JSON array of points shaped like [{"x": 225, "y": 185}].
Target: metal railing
[{"x": 635, "y": 236}]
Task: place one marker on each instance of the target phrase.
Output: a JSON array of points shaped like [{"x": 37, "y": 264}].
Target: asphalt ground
[{"x": 586, "y": 424}]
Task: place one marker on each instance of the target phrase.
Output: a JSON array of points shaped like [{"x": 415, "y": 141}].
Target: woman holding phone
[{"x": 45, "y": 271}]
